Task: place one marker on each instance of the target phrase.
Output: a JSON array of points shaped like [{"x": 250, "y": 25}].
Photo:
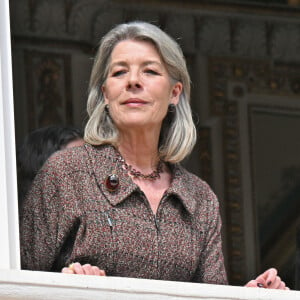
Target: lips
[{"x": 134, "y": 101}]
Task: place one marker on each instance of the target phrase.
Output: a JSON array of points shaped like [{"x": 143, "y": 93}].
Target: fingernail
[{"x": 260, "y": 285}]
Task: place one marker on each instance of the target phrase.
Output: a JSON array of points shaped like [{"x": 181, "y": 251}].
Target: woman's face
[{"x": 138, "y": 88}]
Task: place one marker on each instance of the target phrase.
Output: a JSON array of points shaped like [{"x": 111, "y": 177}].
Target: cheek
[
  {"x": 159, "y": 90},
  {"x": 161, "y": 109},
  {"x": 109, "y": 96},
  {"x": 111, "y": 90}
]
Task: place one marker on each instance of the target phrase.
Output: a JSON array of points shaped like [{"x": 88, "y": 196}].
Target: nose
[{"x": 134, "y": 80}]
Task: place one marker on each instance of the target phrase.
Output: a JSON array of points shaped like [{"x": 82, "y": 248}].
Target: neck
[{"x": 140, "y": 152}]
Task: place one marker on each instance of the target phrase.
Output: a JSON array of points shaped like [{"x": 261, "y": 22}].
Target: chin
[{"x": 139, "y": 124}]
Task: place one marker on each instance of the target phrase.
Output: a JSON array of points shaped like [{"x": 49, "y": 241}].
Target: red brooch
[{"x": 112, "y": 182}]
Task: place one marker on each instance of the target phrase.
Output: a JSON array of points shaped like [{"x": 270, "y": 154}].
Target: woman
[{"x": 122, "y": 205}]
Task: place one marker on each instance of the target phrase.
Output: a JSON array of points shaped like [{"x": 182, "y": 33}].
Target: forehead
[{"x": 133, "y": 49}]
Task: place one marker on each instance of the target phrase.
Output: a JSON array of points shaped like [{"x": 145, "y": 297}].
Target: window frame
[
  {"x": 37, "y": 285},
  {"x": 9, "y": 225}
]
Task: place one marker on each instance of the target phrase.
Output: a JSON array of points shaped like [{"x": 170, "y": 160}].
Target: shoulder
[
  {"x": 73, "y": 159},
  {"x": 195, "y": 193},
  {"x": 67, "y": 159},
  {"x": 194, "y": 183}
]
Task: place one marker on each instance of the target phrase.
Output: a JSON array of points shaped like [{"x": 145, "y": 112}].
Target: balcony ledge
[{"x": 43, "y": 285}]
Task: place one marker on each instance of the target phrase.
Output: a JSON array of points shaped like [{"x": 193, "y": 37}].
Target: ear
[
  {"x": 176, "y": 92},
  {"x": 104, "y": 94}
]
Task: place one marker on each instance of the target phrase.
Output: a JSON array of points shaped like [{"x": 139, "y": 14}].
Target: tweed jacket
[{"x": 70, "y": 215}]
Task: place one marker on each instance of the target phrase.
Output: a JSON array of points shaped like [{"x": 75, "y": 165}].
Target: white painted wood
[
  {"x": 43, "y": 285},
  {"x": 15, "y": 284},
  {"x": 9, "y": 232}
]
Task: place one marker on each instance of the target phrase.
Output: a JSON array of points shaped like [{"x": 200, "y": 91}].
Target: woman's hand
[
  {"x": 269, "y": 280},
  {"x": 87, "y": 269}
]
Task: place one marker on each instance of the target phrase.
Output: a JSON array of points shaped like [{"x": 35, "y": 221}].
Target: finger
[
  {"x": 275, "y": 283},
  {"x": 278, "y": 284},
  {"x": 260, "y": 280},
  {"x": 270, "y": 276},
  {"x": 77, "y": 268},
  {"x": 67, "y": 270},
  {"x": 87, "y": 269},
  {"x": 96, "y": 271},
  {"x": 282, "y": 285},
  {"x": 255, "y": 283}
]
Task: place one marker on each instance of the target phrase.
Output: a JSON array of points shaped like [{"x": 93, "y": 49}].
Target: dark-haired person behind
[
  {"x": 37, "y": 147},
  {"x": 122, "y": 205}
]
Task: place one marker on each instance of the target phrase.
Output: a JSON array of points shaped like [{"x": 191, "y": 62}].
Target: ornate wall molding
[
  {"x": 231, "y": 82},
  {"x": 205, "y": 151},
  {"x": 49, "y": 89},
  {"x": 199, "y": 30}
]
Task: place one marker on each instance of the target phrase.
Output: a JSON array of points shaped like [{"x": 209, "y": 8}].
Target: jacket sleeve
[
  {"x": 41, "y": 224},
  {"x": 211, "y": 268}
]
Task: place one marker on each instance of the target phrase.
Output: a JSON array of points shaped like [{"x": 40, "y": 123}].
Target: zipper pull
[{"x": 109, "y": 220}]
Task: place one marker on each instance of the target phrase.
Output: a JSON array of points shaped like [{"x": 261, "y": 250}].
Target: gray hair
[{"x": 178, "y": 133}]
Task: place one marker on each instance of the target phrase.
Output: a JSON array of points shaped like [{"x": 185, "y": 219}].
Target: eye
[
  {"x": 151, "y": 71},
  {"x": 118, "y": 73}
]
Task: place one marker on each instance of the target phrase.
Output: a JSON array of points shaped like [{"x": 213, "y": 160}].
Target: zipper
[
  {"x": 158, "y": 233},
  {"x": 109, "y": 221},
  {"x": 112, "y": 252},
  {"x": 156, "y": 223},
  {"x": 157, "y": 227}
]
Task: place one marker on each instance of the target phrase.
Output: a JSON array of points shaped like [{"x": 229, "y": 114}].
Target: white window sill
[{"x": 43, "y": 285}]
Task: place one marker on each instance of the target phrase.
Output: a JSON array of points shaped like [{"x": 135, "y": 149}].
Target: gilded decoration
[
  {"x": 48, "y": 89},
  {"x": 231, "y": 80},
  {"x": 204, "y": 140}
]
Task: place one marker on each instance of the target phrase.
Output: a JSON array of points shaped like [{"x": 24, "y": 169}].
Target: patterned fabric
[{"x": 71, "y": 216}]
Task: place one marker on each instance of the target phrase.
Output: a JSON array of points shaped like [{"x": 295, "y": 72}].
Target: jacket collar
[
  {"x": 181, "y": 188},
  {"x": 104, "y": 163}
]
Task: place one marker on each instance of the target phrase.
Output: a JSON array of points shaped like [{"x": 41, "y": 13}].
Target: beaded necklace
[{"x": 137, "y": 174}]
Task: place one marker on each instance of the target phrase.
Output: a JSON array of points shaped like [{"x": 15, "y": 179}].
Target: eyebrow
[{"x": 145, "y": 63}]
